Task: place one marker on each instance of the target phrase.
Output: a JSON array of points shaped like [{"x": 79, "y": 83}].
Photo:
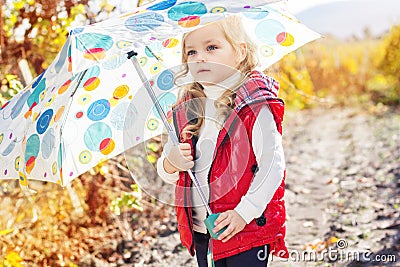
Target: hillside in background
[{"x": 345, "y": 19}]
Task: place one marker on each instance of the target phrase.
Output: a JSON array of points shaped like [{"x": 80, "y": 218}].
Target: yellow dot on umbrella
[
  {"x": 189, "y": 21},
  {"x": 121, "y": 91},
  {"x": 218, "y": 9},
  {"x": 42, "y": 95},
  {"x": 17, "y": 161},
  {"x": 84, "y": 99},
  {"x": 170, "y": 42},
  {"x": 91, "y": 84},
  {"x": 107, "y": 146},
  {"x": 130, "y": 97},
  {"x": 285, "y": 39},
  {"x": 54, "y": 168},
  {"x": 266, "y": 50},
  {"x": 143, "y": 61},
  {"x": 95, "y": 53},
  {"x": 50, "y": 101},
  {"x": 30, "y": 164},
  {"x": 85, "y": 157},
  {"x": 22, "y": 179},
  {"x": 123, "y": 44},
  {"x": 35, "y": 116},
  {"x": 113, "y": 102},
  {"x": 59, "y": 113},
  {"x": 64, "y": 87},
  {"x": 152, "y": 124},
  {"x": 155, "y": 68}
]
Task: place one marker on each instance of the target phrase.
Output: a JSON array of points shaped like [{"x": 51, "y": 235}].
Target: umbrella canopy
[{"x": 90, "y": 105}]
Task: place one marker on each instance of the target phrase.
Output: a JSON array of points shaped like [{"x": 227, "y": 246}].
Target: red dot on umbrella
[
  {"x": 79, "y": 115},
  {"x": 280, "y": 38},
  {"x": 30, "y": 160},
  {"x": 105, "y": 143}
]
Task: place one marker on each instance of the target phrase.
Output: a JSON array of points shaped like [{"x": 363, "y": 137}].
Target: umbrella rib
[
  {"x": 132, "y": 55},
  {"x": 81, "y": 75}
]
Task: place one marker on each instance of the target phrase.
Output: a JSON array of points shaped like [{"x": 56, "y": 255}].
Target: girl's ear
[{"x": 242, "y": 51}]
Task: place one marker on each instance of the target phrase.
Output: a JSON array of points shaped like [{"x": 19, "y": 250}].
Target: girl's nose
[{"x": 201, "y": 57}]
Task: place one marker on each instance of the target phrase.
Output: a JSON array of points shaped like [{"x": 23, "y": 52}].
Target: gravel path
[{"x": 343, "y": 183}]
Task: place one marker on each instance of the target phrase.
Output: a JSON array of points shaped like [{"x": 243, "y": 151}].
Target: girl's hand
[
  {"x": 233, "y": 220},
  {"x": 179, "y": 159}
]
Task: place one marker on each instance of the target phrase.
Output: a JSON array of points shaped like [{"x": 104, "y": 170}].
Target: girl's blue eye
[
  {"x": 191, "y": 53},
  {"x": 211, "y": 47}
]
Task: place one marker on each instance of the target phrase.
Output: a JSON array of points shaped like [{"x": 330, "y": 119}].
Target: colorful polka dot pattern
[{"x": 90, "y": 103}]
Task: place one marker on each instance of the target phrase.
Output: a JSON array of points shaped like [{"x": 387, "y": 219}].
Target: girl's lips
[{"x": 202, "y": 70}]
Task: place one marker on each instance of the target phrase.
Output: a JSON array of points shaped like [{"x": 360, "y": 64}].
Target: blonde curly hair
[{"x": 236, "y": 35}]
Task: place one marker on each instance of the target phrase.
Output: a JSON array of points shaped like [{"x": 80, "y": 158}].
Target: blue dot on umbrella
[
  {"x": 48, "y": 143},
  {"x": 88, "y": 41},
  {"x": 89, "y": 74},
  {"x": 38, "y": 79},
  {"x": 114, "y": 62},
  {"x": 186, "y": 9},
  {"x": 256, "y": 15},
  {"x": 123, "y": 116},
  {"x": 32, "y": 147},
  {"x": 17, "y": 108},
  {"x": 61, "y": 59},
  {"x": 34, "y": 97},
  {"x": 166, "y": 101},
  {"x": 95, "y": 134},
  {"x": 76, "y": 31},
  {"x": 8, "y": 149},
  {"x": 98, "y": 110},
  {"x": 44, "y": 121},
  {"x": 165, "y": 80},
  {"x": 144, "y": 22},
  {"x": 269, "y": 36},
  {"x": 153, "y": 48},
  {"x": 162, "y": 5}
]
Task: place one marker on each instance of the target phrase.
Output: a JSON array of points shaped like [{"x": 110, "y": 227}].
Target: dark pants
[{"x": 255, "y": 257}]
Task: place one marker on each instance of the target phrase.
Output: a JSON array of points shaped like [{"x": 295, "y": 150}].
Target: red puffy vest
[{"x": 231, "y": 173}]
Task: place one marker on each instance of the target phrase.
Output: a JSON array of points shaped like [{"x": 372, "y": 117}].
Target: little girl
[{"x": 229, "y": 122}]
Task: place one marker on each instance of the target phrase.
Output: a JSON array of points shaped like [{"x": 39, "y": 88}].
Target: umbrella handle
[{"x": 132, "y": 55}]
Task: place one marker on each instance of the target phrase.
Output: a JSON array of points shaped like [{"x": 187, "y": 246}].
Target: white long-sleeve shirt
[{"x": 267, "y": 147}]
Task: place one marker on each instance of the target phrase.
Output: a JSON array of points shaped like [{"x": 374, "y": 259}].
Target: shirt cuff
[
  {"x": 247, "y": 210},
  {"x": 170, "y": 178}
]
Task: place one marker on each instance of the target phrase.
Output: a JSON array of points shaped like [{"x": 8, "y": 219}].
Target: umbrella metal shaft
[{"x": 132, "y": 55}]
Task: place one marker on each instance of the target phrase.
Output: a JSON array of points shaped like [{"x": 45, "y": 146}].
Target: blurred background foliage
[
  {"x": 326, "y": 71},
  {"x": 330, "y": 72}
]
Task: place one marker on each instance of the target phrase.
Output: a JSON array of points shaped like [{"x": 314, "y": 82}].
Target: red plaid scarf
[{"x": 257, "y": 87}]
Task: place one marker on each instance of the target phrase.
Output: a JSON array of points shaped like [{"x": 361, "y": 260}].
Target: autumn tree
[
  {"x": 36, "y": 30},
  {"x": 385, "y": 85}
]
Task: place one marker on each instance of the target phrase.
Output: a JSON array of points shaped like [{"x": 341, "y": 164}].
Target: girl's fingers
[
  {"x": 226, "y": 238},
  {"x": 186, "y": 152},
  {"x": 220, "y": 223},
  {"x": 228, "y": 233},
  {"x": 221, "y": 217},
  {"x": 184, "y": 146}
]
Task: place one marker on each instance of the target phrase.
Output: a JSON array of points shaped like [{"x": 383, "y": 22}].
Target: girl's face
[{"x": 210, "y": 57}]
